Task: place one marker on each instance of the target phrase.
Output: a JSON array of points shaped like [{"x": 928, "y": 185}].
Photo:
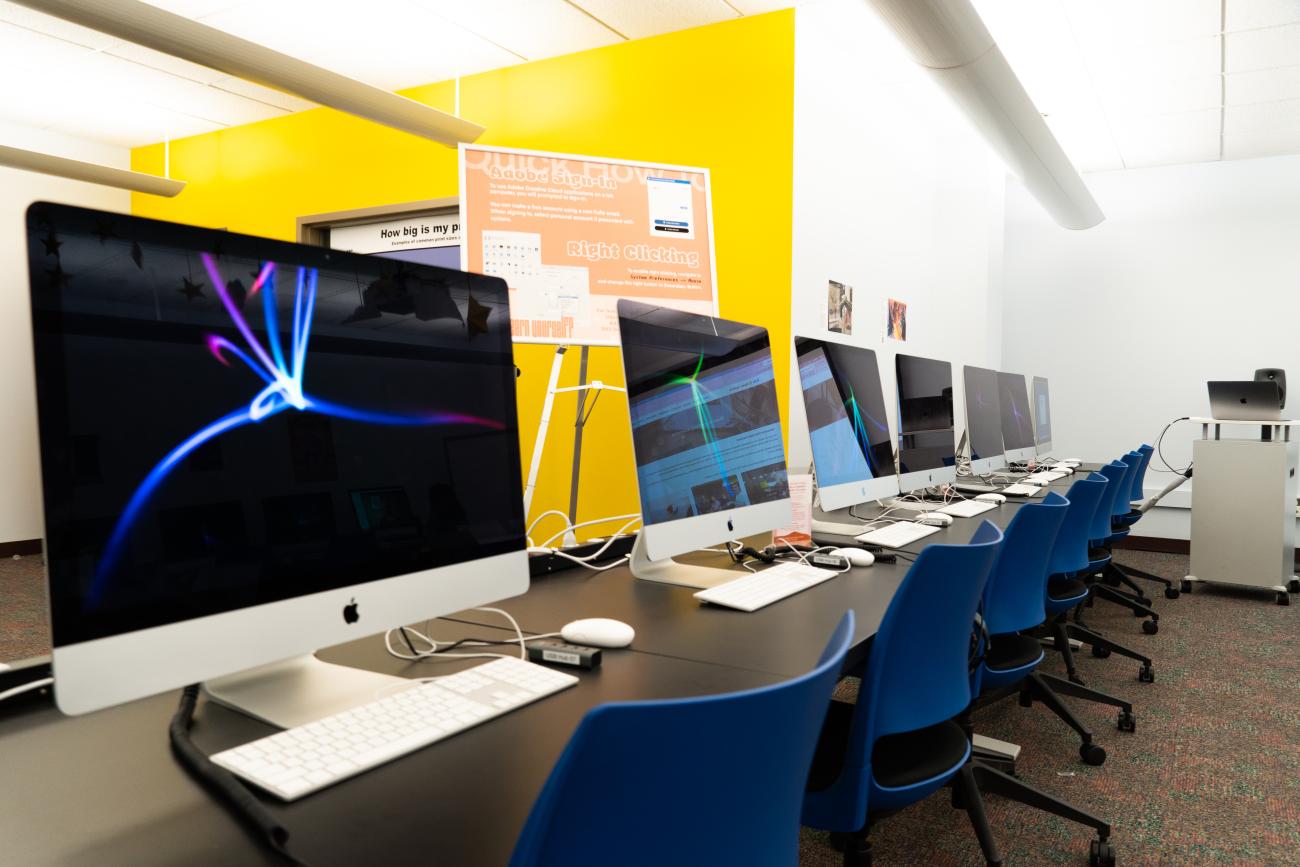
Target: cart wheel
[
  {"x": 1293, "y": 585},
  {"x": 1283, "y": 598},
  {"x": 1186, "y": 585}
]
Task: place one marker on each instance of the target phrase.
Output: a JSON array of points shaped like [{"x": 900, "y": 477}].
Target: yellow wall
[{"x": 719, "y": 97}]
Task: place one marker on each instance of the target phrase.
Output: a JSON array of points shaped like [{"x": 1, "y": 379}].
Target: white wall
[
  {"x": 20, "y": 516},
  {"x": 895, "y": 195},
  {"x": 1194, "y": 275}
]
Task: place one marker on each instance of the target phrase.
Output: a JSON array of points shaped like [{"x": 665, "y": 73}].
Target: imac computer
[
  {"x": 1042, "y": 411},
  {"x": 983, "y": 420},
  {"x": 851, "y": 446},
  {"x": 247, "y": 454},
  {"x": 706, "y": 433},
  {"x": 927, "y": 453},
  {"x": 1017, "y": 425}
]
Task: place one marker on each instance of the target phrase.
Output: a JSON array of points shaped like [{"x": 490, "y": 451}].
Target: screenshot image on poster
[
  {"x": 707, "y": 433},
  {"x": 672, "y": 207}
]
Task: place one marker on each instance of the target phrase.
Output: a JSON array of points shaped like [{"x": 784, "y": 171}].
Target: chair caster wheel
[
  {"x": 1147, "y": 674},
  {"x": 1283, "y": 598},
  {"x": 1293, "y": 585},
  {"x": 1100, "y": 652},
  {"x": 1150, "y": 627},
  {"x": 1142, "y": 600},
  {"x": 1101, "y": 854},
  {"x": 1171, "y": 592},
  {"x": 1127, "y": 722},
  {"x": 1185, "y": 585},
  {"x": 1092, "y": 754}
]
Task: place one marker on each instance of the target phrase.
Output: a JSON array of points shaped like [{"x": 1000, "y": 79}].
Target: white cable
[
  {"x": 434, "y": 653},
  {"x": 27, "y": 687},
  {"x": 631, "y": 519},
  {"x": 803, "y": 556}
]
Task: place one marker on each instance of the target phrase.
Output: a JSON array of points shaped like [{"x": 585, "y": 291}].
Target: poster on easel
[{"x": 572, "y": 234}]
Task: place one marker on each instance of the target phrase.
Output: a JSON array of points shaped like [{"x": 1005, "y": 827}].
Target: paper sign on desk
[{"x": 800, "y": 530}]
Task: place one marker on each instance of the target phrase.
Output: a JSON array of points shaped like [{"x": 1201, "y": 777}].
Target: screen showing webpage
[{"x": 835, "y": 446}]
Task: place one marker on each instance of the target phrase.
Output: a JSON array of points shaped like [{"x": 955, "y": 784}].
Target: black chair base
[
  {"x": 1037, "y": 687},
  {"x": 1101, "y": 646},
  {"x": 1150, "y": 627},
  {"x": 993, "y": 782},
  {"x": 1171, "y": 592}
]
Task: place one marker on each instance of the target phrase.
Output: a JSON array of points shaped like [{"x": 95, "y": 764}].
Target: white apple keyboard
[
  {"x": 776, "y": 582},
  {"x": 967, "y": 508},
  {"x": 897, "y": 535},
  {"x": 308, "y": 758},
  {"x": 1023, "y": 490}
]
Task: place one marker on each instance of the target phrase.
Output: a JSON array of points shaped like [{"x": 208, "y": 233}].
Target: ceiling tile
[
  {"x": 1143, "y": 21},
  {"x": 1263, "y": 85},
  {"x": 1263, "y": 49},
  {"x": 388, "y": 43},
  {"x": 637, "y": 18},
  {"x": 127, "y": 123},
  {"x": 758, "y": 7},
  {"x": 1188, "y": 137},
  {"x": 1264, "y": 129},
  {"x": 531, "y": 29},
  {"x": 1184, "y": 58},
  {"x": 163, "y": 62},
  {"x": 1253, "y": 14},
  {"x": 51, "y": 26},
  {"x": 1124, "y": 94},
  {"x": 262, "y": 94}
]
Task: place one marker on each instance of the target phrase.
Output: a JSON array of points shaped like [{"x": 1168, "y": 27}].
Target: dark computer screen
[
  {"x": 1017, "y": 426},
  {"x": 227, "y": 421},
  {"x": 925, "y": 420},
  {"x": 705, "y": 425},
  {"x": 983, "y": 413},
  {"x": 1042, "y": 412},
  {"x": 846, "y": 412}
]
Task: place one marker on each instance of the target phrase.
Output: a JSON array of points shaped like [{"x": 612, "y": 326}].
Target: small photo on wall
[
  {"x": 896, "y": 320},
  {"x": 839, "y": 308}
]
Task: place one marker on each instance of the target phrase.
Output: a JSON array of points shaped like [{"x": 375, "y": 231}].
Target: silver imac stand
[
  {"x": 300, "y": 690},
  {"x": 669, "y": 571}
]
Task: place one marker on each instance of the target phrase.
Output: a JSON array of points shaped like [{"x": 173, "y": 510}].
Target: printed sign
[
  {"x": 571, "y": 235},
  {"x": 411, "y": 233}
]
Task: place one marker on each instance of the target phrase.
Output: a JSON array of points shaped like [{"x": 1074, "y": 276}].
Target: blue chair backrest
[
  {"x": 716, "y": 779},
  {"x": 1138, "y": 492},
  {"x": 1070, "y": 553},
  {"x": 1115, "y": 473},
  {"x": 1122, "y": 506},
  {"x": 918, "y": 674},
  {"x": 1017, "y": 585}
]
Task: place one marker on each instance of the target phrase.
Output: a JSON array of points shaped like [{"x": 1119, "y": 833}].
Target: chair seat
[
  {"x": 1010, "y": 651},
  {"x": 897, "y": 760},
  {"x": 1095, "y": 554},
  {"x": 910, "y": 757},
  {"x": 1071, "y": 588}
]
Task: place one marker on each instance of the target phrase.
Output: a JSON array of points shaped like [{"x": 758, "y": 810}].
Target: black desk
[
  {"x": 104, "y": 788},
  {"x": 785, "y": 638}
]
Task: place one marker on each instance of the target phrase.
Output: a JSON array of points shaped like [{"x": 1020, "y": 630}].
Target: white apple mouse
[
  {"x": 991, "y": 498},
  {"x": 855, "y": 556},
  {"x": 934, "y": 519},
  {"x": 598, "y": 632}
]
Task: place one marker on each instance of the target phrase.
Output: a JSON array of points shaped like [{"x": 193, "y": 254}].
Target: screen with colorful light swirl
[{"x": 227, "y": 421}]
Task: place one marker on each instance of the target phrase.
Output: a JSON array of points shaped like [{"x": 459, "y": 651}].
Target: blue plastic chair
[
  {"x": 1137, "y": 494},
  {"x": 899, "y": 742},
  {"x": 710, "y": 780},
  {"x": 1119, "y": 476}
]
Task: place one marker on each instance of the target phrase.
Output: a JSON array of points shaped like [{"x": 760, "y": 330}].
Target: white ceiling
[
  {"x": 1129, "y": 83},
  {"x": 1123, "y": 83}
]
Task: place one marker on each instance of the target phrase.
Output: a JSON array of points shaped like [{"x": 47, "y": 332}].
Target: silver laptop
[{"x": 1245, "y": 400}]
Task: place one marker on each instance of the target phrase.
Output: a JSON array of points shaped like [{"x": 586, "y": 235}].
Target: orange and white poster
[{"x": 571, "y": 235}]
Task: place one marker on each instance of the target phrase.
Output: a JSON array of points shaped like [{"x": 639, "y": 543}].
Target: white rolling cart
[{"x": 1244, "y": 507}]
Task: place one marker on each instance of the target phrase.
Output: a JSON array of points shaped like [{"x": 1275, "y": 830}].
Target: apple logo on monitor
[
  {"x": 350, "y": 613},
  {"x": 730, "y": 526}
]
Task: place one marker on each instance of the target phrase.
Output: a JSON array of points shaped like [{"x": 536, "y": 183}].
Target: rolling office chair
[
  {"x": 1014, "y": 604},
  {"x": 716, "y": 779},
  {"x": 1102, "y": 533},
  {"x": 1125, "y": 574},
  {"x": 1070, "y": 559},
  {"x": 900, "y": 743}
]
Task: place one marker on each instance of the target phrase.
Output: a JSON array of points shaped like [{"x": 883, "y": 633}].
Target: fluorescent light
[{"x": 63, "y": 167}]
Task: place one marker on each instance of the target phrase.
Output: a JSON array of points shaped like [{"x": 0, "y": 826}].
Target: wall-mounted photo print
[
  {"x": 896, "y": 321},
  {"x": 839, "y": 308}
]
